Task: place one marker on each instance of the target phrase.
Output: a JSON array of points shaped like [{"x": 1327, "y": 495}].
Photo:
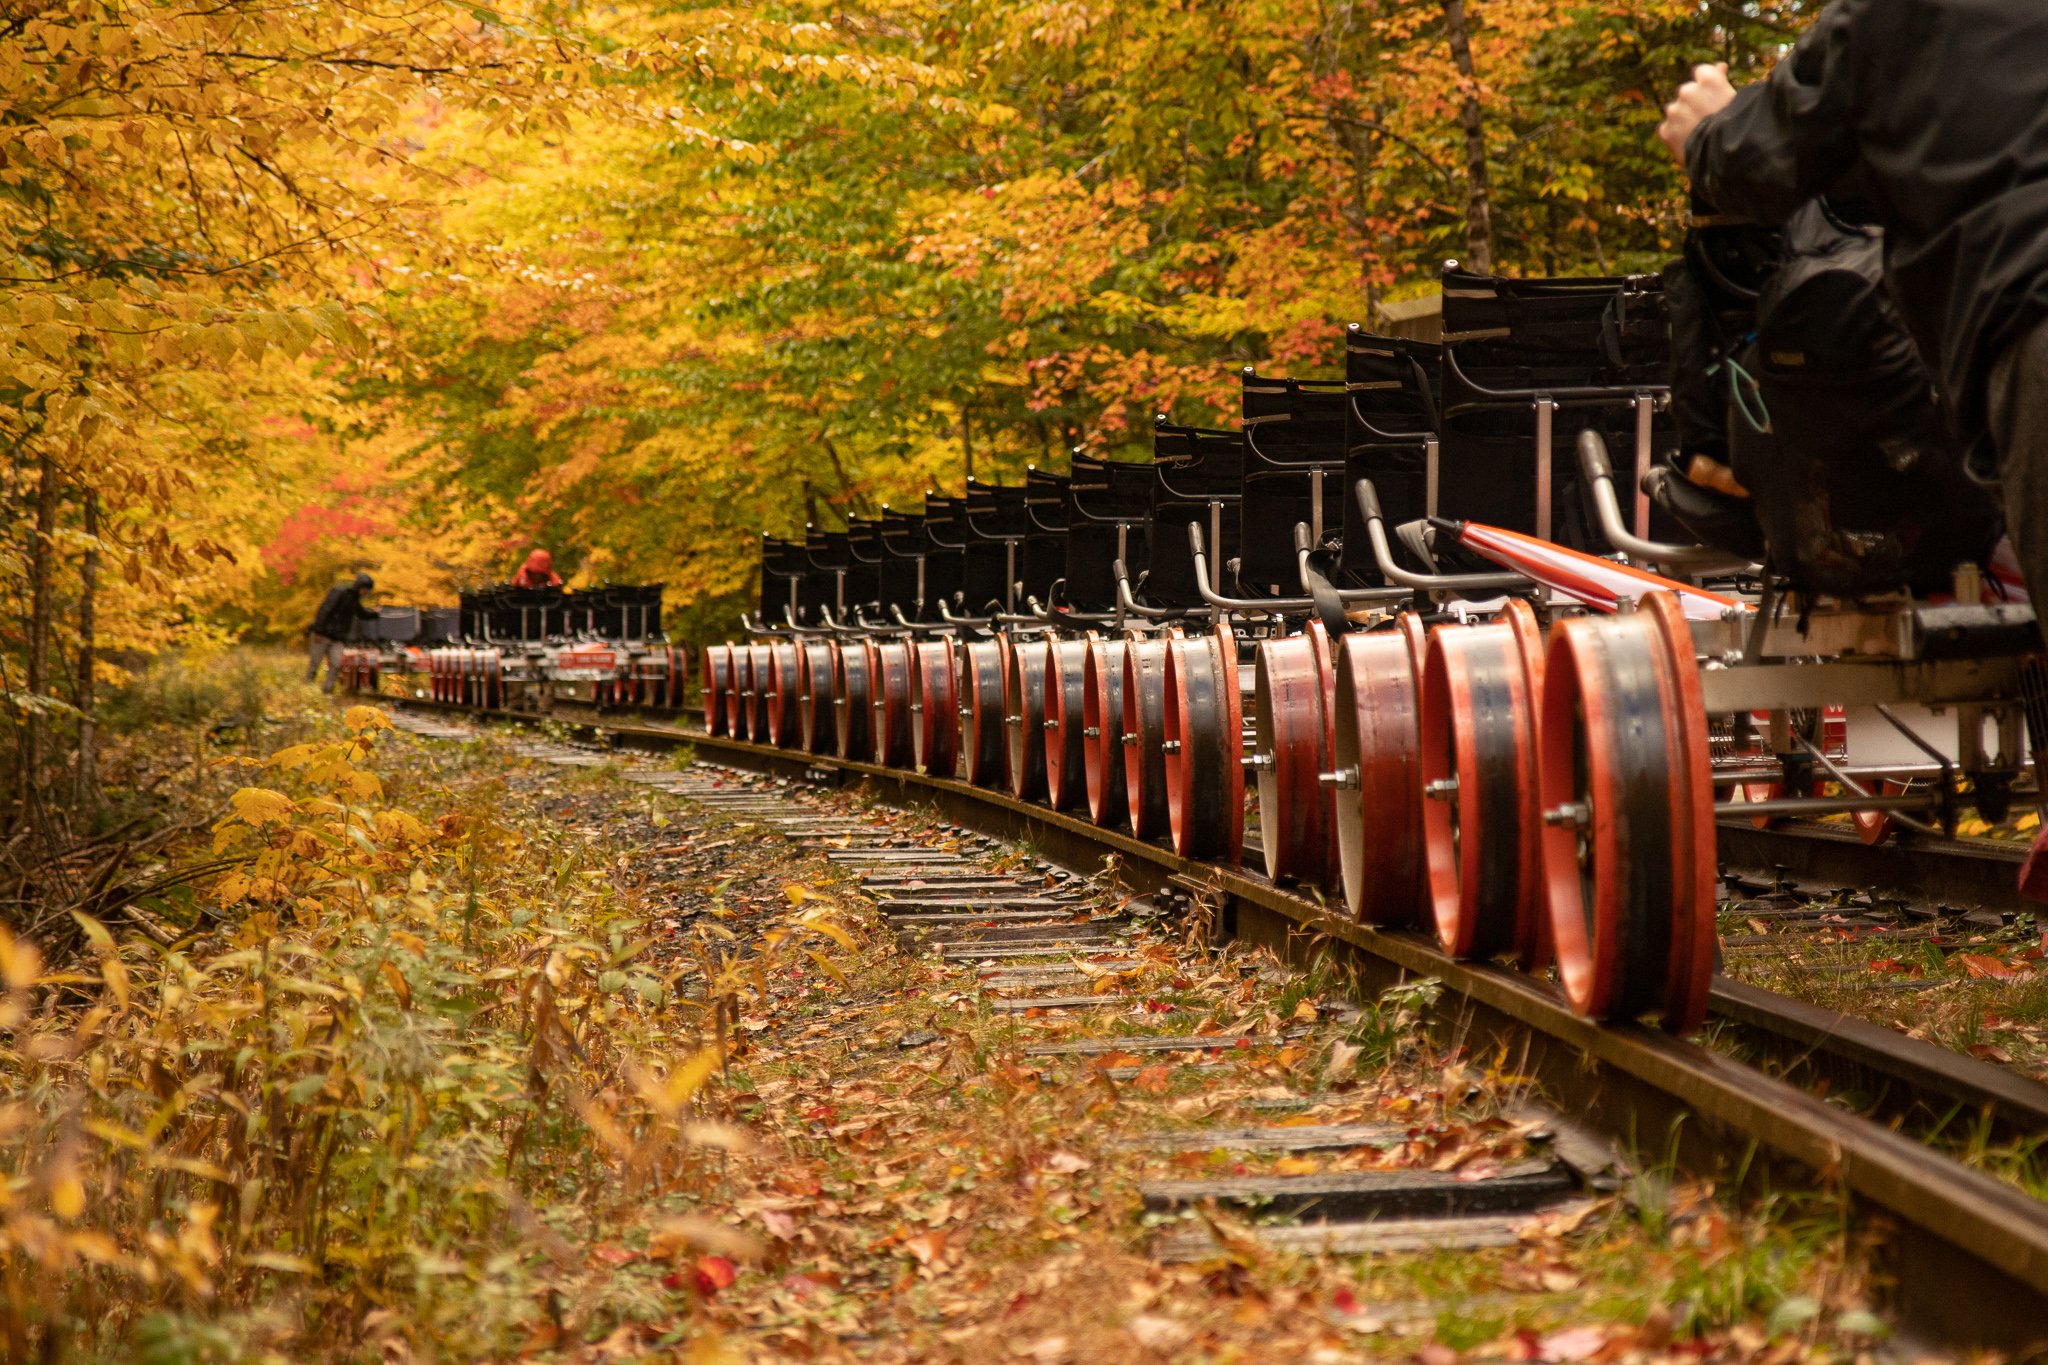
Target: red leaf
[
  {"x": 1345, "y": 1301},
  {"x": 1989, "y": 1052},
  {"x": 713, "y": 1273}
]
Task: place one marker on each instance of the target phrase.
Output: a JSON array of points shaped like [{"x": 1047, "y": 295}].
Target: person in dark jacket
[
  {"x": 1935, "y": 113},
  {"x": 332, "y": 626}
]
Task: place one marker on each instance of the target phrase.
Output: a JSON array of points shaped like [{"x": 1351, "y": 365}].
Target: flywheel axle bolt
[
  {"x": 1443, "y": 789},
  {"x": 1571, "y": 816},
  {"x": 1347, "y": 778}
]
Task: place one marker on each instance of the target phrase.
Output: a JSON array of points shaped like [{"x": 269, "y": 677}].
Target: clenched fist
[{"x": 1706, "y": 94}]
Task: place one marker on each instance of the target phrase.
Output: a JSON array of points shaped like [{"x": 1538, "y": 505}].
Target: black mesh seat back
[
  {"x": 781, "y": 561},
  {"x": 824, "y": 557},
  {"x": 393, "y": 625},
  {"x": 439, "y": 625},
  {"x": 1107, "y": 503},
  {"x": 1191, "y": 468},
  {"x": 1505, "y": 341},
  {"x": 1043, "y": 560},
  {"x": 942, "y": 536},
  {"x": 902, "y": 544},
  {"x": 1400, "y": 476},
  {"x": 1598, "y": 331},
  {"x": 864, "y": 561},
  {"x": 995, "y": 511},
  {"x": 471, "y": 605},
  {"x": 1392, "y": 386},
  {"x": 995, "y": 525},
  {"x": 1294, "y": 435},
  {"x": 643, "y": 620}
]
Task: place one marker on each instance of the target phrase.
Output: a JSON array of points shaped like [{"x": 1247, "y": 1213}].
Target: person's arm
[{"x": 1765, "y": 150}]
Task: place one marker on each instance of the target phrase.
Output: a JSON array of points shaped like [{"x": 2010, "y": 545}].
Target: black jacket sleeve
[{"x": 1792, "y": 135}]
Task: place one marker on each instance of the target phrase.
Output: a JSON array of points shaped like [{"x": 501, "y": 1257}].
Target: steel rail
[{"x": 1969, "y": 1255}]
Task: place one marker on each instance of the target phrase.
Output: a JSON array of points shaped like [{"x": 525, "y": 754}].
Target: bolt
[
  {"x": 1572, "y": 815},
  {"x": 1051, "y": 724},
  {"x": 1130, "y": 739},
  {"x": 1091, "y": 732},
  {"x": 1262, "y": 762},
  {"x": 1443, "y": 789},
  {"x": 1346, "y": 778},
  {"x": 1171, "y": 746}
]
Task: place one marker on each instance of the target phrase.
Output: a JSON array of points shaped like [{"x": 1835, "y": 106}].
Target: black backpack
[{"x": 1836, "y": 430}]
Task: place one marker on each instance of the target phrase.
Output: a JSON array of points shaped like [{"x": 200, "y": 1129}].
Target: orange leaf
[{"x": 1985, "y": 966}]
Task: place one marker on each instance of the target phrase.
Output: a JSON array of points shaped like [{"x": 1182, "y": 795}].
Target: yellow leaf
[
  {"x": 399, "y": 986},
  {"x": 359, "y": 719},
  {"x": 830, "y": 930},
  {"x": 670, "y": 1095},
  {"x": 797, "y": 893},
  {"x": 260, "y": 806},
  {"x": 1296, "y": 1165},
  {"x": 67, "y": 1195},
  {"x": 116, "y": 976},
  {"x": 102, "y": 941},
  {"x": 20, "y": 963}
]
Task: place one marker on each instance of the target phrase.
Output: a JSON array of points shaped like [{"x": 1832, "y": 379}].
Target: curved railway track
[{"x": 1763, "y": 1096}]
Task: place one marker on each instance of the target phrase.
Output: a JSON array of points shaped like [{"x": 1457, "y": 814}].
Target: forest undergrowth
[{"x": 456, "y": 1056}]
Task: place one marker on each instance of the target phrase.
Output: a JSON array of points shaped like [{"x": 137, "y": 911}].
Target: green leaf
[{"x": 1792, "y": 1314}]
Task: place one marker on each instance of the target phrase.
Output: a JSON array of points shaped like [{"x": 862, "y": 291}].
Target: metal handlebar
[
  {"x": 1376, "y": 530},
  {"x": 1599, "y": 470}
]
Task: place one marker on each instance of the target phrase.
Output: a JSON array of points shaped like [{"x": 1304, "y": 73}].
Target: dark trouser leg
[{"x": 2019, "y": 424}]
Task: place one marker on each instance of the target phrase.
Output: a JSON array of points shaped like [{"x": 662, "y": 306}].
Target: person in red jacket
[{"x": 537, "y": 572}]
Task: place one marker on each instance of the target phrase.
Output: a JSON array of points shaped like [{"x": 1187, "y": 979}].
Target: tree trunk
[
  {"x": 966, "y": 442},
  {"x": 88, "y": 776},
  {"x": 1478, "y": 187},
  {"x": 49, "y": 490}
]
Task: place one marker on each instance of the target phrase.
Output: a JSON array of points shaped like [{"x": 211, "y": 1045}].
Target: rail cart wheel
[
  {"x": 1066, "y": 722},
  {"x": 763, "y": 660},
  {"x": 789, "y": 695},
  {"x": 983, "y": 664},
  {"x": 711, "y": 690},
  {"x": 1024, "y": 717},
  {"x": 1874, "y": 827},
  {"x": 1746, "y": 792},
  {"x": 1628, "y": 816},
  {"x": 853, "y": 700},
  {"x": 889, "y": 661},
  {"x": 1204, "y": 746},
  {"x": 1144, "y": 736},
  {"x": 1289, "y": 754},
  {"x": 935, "y": 708},
  {"x": 1477, "y": 737},
  {"x": 815, "y": 683},
  {"x": 1689, "y": 969},
  {"x": 1102, "y": 734},
  {"x": 1378, "y": 773},
  {"x": 494, "y": 680},
  {"x": 741, "y": 697}
]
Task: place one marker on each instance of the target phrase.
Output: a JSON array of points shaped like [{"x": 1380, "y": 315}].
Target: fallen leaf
[
  {"x": 1573, "y": 1343},
  {"x": 1066, "y": 1163},
  {"x": 1986, "y": 967},
  {"x": 1156, "y": 1333}
]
